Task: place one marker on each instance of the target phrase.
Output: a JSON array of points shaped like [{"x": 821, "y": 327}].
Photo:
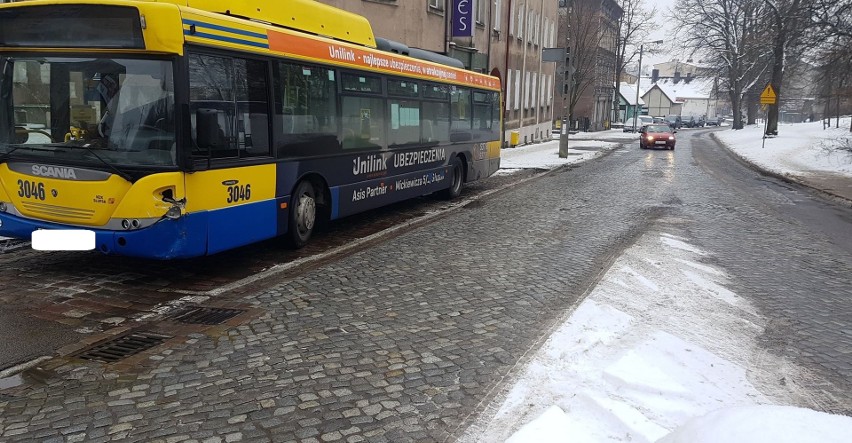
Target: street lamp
[{"x": 639, "y": 79}]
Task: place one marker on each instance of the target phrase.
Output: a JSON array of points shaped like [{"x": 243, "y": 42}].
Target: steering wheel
[
  {"x": 153, "y": 127},
  {"x": 20, "y": 132}
]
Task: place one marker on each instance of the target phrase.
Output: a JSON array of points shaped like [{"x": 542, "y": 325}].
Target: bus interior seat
[
  {"x": 300, "y": 123},
  {"x": 428, "y": 131},
  {"x": 259, "y": 130}
]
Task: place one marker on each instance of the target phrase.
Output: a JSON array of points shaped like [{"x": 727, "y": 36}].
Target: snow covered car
[{"x": 657, "y": 136}]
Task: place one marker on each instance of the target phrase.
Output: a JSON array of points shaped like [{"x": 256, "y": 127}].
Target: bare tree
[
  {"x": 832, "y": 20},
  {"x": 729, "y": 33},
  {"x": 635, "y": 24},
  {"x": 584, "y": 25},
  {"x": 788, "y": 22},
  {"x": 832, "y": 16}
]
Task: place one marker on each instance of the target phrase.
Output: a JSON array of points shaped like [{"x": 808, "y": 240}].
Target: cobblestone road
[{"x": 407, "y": 340}]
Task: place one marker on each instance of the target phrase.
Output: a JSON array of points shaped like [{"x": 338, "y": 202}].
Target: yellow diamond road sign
[{"x": 768, "y": 97}]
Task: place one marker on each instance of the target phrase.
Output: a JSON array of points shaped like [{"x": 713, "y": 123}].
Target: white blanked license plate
[
  {"x": 660, "y": 142},
  {"x": 63, "y": 240}
]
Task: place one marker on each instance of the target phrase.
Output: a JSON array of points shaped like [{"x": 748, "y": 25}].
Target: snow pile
[
  {"x": 658, "y": 342},
  {"x": 799, "y": 149}
]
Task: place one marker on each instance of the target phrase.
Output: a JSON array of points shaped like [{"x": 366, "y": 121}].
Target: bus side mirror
[{"x": 208, "y": 133}]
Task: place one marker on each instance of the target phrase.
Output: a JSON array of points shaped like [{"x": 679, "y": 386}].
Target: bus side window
[
  {"x": 252, "y": 99},
  {"x": 209, "y": 135},
  {"x": 462, "y": 122},
  {"x": 306, "y": 117},
  {"x": 211, "y": 95},
  {"x": 234, "y": 91}
]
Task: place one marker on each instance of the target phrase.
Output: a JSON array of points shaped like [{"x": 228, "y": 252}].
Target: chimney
[
  {"x": 655, "y": 75},
  {"x": 676, "y": 77},
  {"x": 688, "y": 78}
]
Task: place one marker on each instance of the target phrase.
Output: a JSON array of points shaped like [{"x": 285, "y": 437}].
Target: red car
[{"x": 657, "y": 136}]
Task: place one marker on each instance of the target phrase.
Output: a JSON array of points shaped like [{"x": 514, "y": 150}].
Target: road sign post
[{"x": 767, "y": 97}]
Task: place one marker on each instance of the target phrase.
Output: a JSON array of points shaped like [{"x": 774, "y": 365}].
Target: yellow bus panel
[
  {"x": 221, "y": 188},
  {"x": 145, "y": 198}
]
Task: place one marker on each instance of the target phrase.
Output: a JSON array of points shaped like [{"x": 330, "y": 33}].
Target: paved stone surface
[
  {"x": 405, "y": 341},
  {"x": 67, "y": 296}
]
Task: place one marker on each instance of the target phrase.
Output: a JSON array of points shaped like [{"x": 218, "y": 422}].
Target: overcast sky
[{"x": 664, "y": 31}]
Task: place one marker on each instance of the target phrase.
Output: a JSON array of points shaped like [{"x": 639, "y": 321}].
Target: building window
[
  {"x": 530, "y": 26},
  {"x": 436, "y": 4},
  {"x": 508, "y": 89},
  {"x": 517, "y": 103},
  {"x": 497, "y": 15},
  {"x": 534, "y": 96},
  {"x": 550, "y": 39},
  {"x": 512, "y": 21},
  {"x": 538, "y": 18},
  {"x": 480, "y": 11},
  {"x": 521, "y": 12}
]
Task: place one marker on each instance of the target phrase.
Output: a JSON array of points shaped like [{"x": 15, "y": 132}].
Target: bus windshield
[{"x": 88, "y": 110}]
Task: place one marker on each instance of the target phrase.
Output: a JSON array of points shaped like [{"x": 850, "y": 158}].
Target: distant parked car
[
  {"x": 712, "y": 122},
  {"x": 688, "y": 122},
  {"x": 641, "y": 121},
  {"x": 657, "y": 136},
  {"x": 674, "y": 121}
]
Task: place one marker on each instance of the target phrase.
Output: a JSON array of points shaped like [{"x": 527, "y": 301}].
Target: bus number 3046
[
  {"x": 239, "y": 192},
  {"x": 28, "y": 189}
]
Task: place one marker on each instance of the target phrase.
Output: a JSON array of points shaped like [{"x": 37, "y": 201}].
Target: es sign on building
[{"x": 462, "y": 18}]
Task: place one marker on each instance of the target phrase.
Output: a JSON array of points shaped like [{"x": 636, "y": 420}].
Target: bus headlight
[{"x": 2, "y": 206}]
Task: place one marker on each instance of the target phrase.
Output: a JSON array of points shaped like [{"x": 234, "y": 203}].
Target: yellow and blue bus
[{"x": 175, "y": 129}]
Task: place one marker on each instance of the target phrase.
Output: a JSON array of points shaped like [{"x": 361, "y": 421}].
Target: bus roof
[
  {"x": 168, "y": 24},
  {"x": 302, "y": 15}
]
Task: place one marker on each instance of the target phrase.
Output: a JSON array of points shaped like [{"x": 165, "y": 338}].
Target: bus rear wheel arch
[{"x": 457, "y": 168}]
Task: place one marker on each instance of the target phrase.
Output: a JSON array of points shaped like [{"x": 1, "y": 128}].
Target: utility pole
[
  {"x": 638, "y": 81},
  {"x": 567, "y": 87}
]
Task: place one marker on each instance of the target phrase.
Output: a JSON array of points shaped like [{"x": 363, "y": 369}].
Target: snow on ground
[
  {"x": 546, "y": 155},
  {"x": 799, "y": 149},
  {"x": 657, "y": 345},
  {"x": 661, "y": 350}
]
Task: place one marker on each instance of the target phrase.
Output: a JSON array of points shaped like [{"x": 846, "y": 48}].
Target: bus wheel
[
  {"x": 303, "y": 214},
  {"x": 457, "y": 177}
]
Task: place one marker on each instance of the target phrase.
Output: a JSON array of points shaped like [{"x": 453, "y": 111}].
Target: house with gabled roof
[
  {"x": 660, "y": 102},
  {"x": 627, "y": 104}
]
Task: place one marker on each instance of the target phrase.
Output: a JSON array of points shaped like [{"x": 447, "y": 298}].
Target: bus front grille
[{"x": 58, "y": 211}]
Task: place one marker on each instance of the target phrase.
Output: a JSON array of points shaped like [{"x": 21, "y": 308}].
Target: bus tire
[
  {"x": 302, "y": 215},
  {"x": 457, "y": 179}
]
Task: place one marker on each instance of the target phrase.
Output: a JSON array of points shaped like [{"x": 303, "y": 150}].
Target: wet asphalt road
[{"x": 406, "y": 339}]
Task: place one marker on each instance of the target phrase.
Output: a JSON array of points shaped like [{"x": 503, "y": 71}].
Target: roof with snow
[
  {"x": 628, "y": 92},
  {"x": 696, "y": 88}
]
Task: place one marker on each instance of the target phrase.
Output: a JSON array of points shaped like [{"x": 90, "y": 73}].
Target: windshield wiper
[
  {"x": 117, "y": 171},
  {"x": 5, "y": 155}
]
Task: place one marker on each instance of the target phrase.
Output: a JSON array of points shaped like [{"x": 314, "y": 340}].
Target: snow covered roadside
[
  {"x": 545, "y": 155},
  {"x": 659, "y": 343},
  {"x": 799, "y": 149}
]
